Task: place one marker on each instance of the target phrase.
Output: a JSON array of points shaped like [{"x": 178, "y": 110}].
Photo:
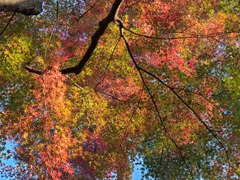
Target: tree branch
[
  {"x": 105, "y": 71},
  {"x": 94, "y": 42},
  {"x": 11, "y": 18},
  {"x": 34, "y": 71},
  {"x": 26, "y": 7},
  {"x": 212, "y": 35},
  {"x": 169, "y": 87},
  {"x": 152, "y": 98},
  {"x": 91, "y": 7},
  {"x": 95, "y": 38}
]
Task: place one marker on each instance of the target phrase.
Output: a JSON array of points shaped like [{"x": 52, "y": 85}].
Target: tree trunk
[{"x": 27, "y": 7}]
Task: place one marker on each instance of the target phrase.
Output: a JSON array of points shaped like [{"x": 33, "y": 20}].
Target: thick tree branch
[
  {"x": 94, "y": 42},
  {"x": 26, "y": 7},
  {"x": 95, "y": 38},
  {"x": 31, "y": 70}
]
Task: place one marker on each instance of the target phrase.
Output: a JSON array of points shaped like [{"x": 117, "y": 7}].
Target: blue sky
[{"x": 136, "y": 173}]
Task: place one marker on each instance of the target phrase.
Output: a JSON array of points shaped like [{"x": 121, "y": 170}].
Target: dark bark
[
  {"x": 26, "y": 7},
  {"x": 95, "y": 38},
  {"x": 94, "y": 42},
  {"x": 34, "y": 71}
]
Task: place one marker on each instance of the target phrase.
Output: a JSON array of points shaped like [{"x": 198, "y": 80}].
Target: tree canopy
[{"x": 91, "y": 88}]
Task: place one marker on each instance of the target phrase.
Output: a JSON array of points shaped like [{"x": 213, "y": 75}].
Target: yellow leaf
[{"x": 25, "y": 135}]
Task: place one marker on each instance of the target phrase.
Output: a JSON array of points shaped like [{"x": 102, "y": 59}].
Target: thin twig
[
  {"x": 9, "y": 21},
  {"x": 91, "y": 7},
  {"x": 50, "y": 38},
  {"x": 103, "y": 76},
  {"x": 172, "y": 38},
  {"x": 112, "y": 96}
]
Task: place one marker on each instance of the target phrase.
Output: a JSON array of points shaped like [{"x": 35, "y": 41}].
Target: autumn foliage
[{"x": 91, "y": 89}]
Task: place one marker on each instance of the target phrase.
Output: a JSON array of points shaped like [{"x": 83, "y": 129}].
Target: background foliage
[{"x": 161, "y": 89}]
